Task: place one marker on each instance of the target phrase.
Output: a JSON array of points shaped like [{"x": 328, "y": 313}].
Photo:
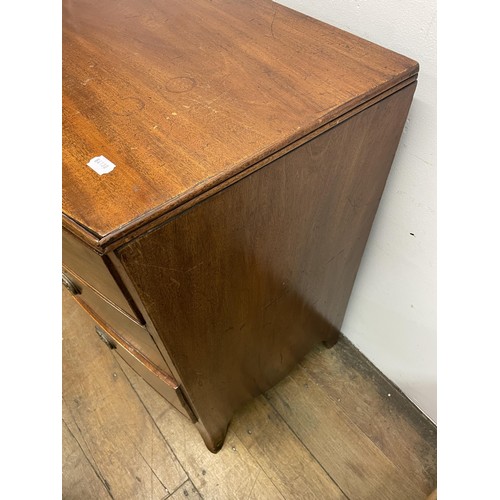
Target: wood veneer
[{"x": 252, "y": 145}]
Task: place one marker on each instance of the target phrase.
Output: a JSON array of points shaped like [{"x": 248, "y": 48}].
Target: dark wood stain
[
  {"x": 241, "y": 286},
  {"x": 252, "y": 145}
]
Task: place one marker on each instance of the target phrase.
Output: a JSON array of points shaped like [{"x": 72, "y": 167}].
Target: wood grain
[
  {"x": 260, "y": 436},
  {"x": 265, "y": 457},
  {"x": 187, "y": 490},
  {"x": 98, "y": 273},
  {"x": 283, "y": 457},
  {"x": 137, "y": 335},
  {"x": 252, "y": 145},
  {"x": 400, "y": 431},
  {"x": 79, "y": 479},
  {"x": 360, "y": 469},
  {"x": 209, "y": 473},
  {"x": 119, "y": 438},
  {"x": 242, "y": 285},
  {"x": 184, "y": 95},
  {"x": 158, "y": 379}
]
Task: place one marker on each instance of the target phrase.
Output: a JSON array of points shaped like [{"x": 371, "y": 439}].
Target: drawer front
[
  {"x": 92, "y": 268},
  {"x": 164, "y": 383},
  {"x": 99, "y": 306}
]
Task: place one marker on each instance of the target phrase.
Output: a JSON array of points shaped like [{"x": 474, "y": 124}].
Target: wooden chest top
[{"x": 183, "y": 95}]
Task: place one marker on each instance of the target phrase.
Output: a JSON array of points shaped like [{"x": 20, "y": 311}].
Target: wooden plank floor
[{"x": 334, "y": 428}]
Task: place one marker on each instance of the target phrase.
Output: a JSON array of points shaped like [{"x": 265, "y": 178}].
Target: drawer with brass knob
[
  {"x": 100, "y": 307},
  {"x": 161, "y": 380}
]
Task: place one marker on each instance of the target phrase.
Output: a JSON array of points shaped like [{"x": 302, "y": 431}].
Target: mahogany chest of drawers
[{"x": 222, "y": 165}]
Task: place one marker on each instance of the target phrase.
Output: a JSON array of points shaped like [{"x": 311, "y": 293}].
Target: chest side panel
[{"x": 242, "y": 285}]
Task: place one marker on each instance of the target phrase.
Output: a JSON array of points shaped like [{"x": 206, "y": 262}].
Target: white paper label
[{"x": 101, "y": 165}]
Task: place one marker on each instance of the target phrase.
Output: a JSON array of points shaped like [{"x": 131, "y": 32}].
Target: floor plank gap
[
  {"x": 153, "y": 420},
  {"x": 96, "y": 472},
  {"x": 328, "y": 430},
  {"x": 309, "y": 451}
]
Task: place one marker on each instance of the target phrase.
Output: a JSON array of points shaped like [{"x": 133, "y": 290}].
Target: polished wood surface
[
  {"x": 183, "y": 95},
  {"x": 251, "y": 147},
  {"x": 133, "y": 333},
  {"x": 98, "y": 273},
  {"x": 241, "y": 286},
  {"x": 126, "y": 440},
  {"x": 159, "y": 379}
]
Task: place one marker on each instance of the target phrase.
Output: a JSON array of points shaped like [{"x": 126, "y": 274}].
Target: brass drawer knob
[
  {"x": 73, "y": 289},
  {"x": 102, "y": 335}
]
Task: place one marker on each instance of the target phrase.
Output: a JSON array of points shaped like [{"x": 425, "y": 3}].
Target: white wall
[{"x": 391, "y": 316}]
